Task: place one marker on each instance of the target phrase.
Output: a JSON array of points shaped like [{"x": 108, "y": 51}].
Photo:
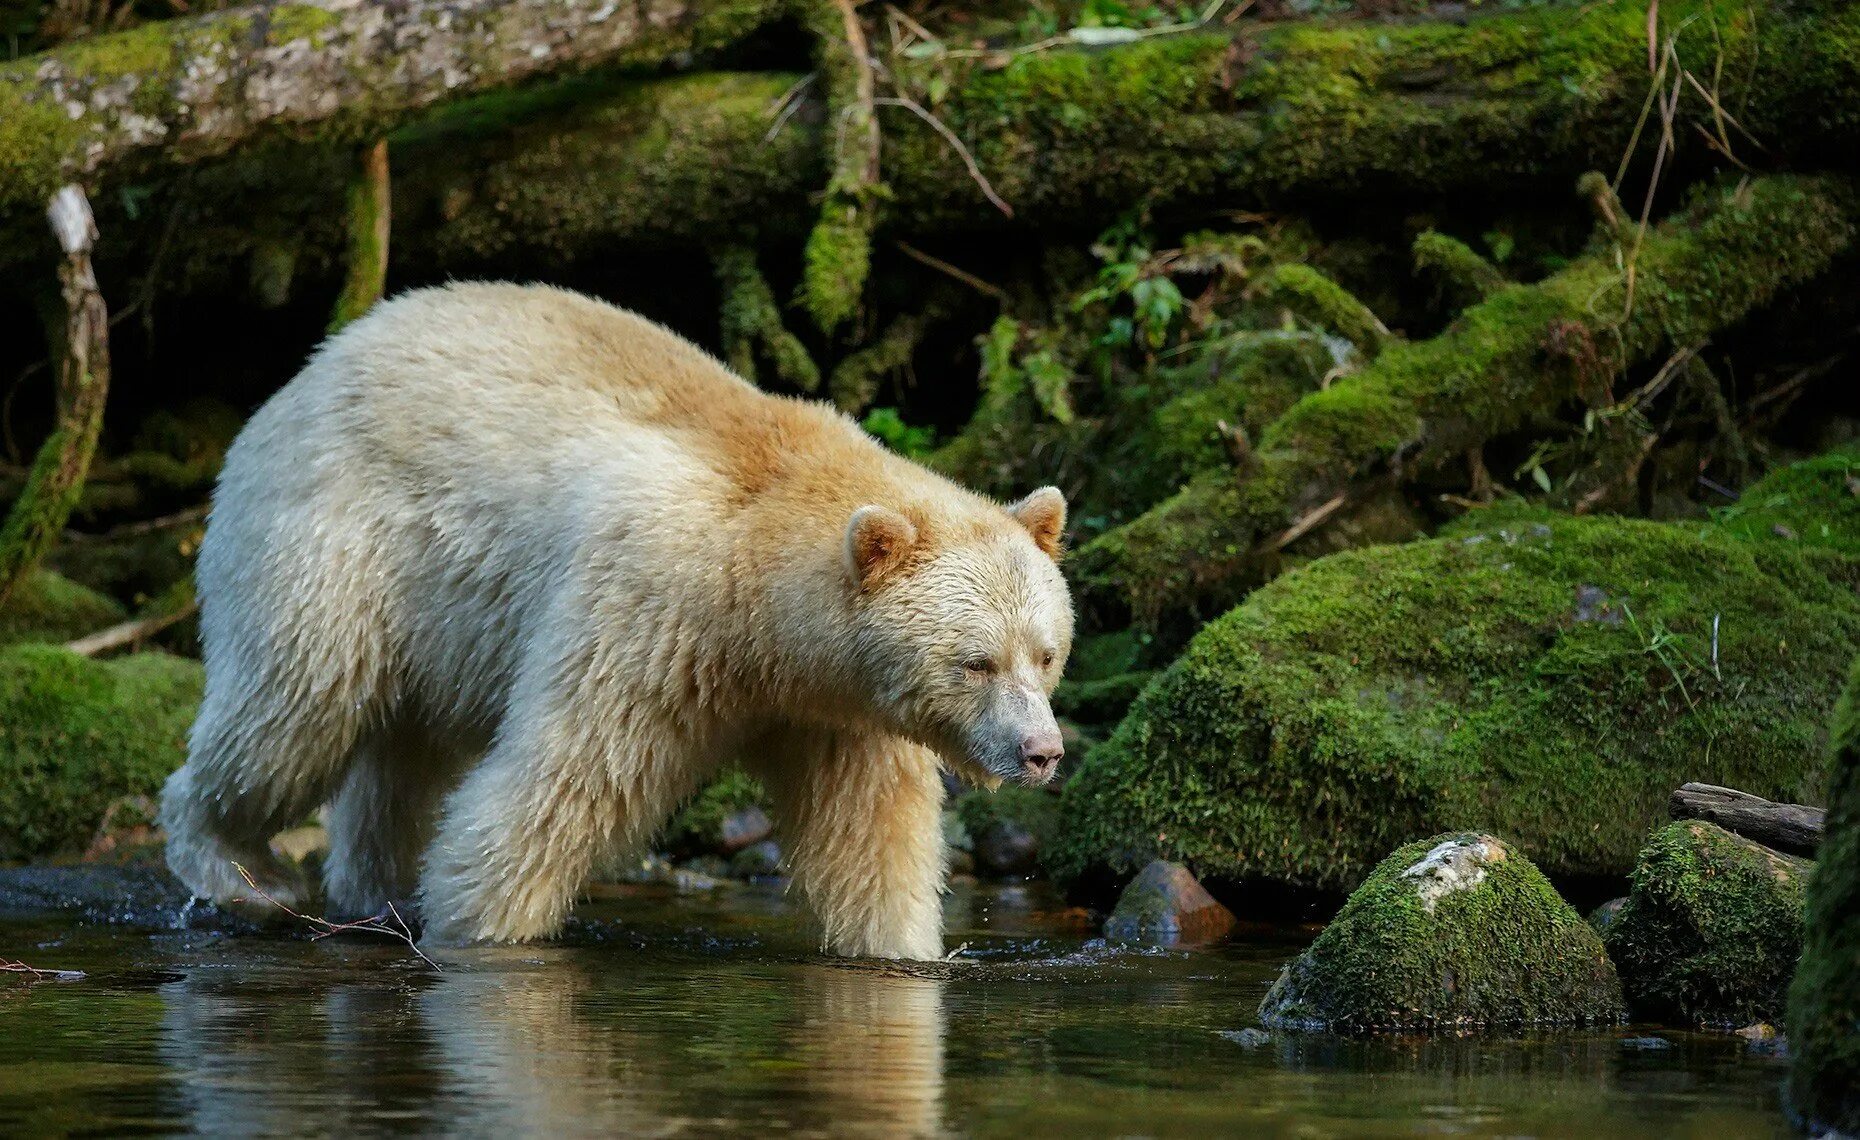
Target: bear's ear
[
  {"x": 1043, "y": 513},
  {"x": 877, "y": 541}
]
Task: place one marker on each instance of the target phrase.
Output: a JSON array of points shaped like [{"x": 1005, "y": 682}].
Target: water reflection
[
  {"x": 554, "y": 1046},
  {"x": 695, "y": 1017}
]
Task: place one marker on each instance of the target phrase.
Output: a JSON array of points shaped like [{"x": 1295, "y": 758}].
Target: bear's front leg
[
  {"x": 862, "y": 818},
  {"x": 519, "y": 837}
]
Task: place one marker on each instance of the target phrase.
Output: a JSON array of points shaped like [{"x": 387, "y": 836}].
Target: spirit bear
[{"x": 506, "y": 572}]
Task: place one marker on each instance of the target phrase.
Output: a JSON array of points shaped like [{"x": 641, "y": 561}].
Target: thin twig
[
  {"x": 1309, "y": 522},
  {"x": 374, "y": 924},
  {"x": 8, "y": 966},
  {"x": 956, "y": 144},
  {"x": 192, "y": 514},
  {"x": 790, "y": 101},
  {"x": 130, "y": 632},
  {"x": 962, "y": 275}
]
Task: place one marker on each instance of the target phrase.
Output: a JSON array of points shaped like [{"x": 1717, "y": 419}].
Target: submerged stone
[
  {"x": 1824, "y": 1003},
  {"x": 743, "y": 828},
  {"x": 1167, "y": 903},
  {"x": 1712, "y": 929},
  {"x": 757, "y": 861},
  {"x": 1506, "y": 684},
  {"x": 1008, "y": 828},
  {"x": 1455, "y": 932}
]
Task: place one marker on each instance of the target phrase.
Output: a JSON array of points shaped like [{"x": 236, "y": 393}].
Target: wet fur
[{"x": 505, "y": 573}]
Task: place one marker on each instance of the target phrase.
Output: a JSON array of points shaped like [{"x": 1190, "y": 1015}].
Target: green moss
[
  {"x": 1712, "y": 929},
  {"x": 751, "y": 323},
  {"x": 76, "y": 734},
  {"x": 1525, "y": 351},
  {"x": 1824, "y": 1001},
  {"x": 698, "y": 826},
  {"x": 1815, "y": 502},
  {"x": 837, "y": 261},
  {"x": 1035, "y": 810},
  {"x": 1330, "y": 306},
  {"x": 291, "y": 22},
  {"x": 1471, "y": 277},
  {"x": 1103, "y": 701},
  {"x": 47, "y": 607},
  {"x": 665, "y": 162},
  {"x": 1454, "y": 932},
  {"x": 1551, "y": 681}
]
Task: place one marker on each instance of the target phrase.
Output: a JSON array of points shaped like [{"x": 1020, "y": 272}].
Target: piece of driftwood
[{"x": 1791, "y": 828}]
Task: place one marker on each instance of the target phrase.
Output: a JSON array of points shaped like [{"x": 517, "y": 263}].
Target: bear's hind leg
[
  {"x": 382, "y": 818},
  {"x": 247, "y": 778},
  {"x": 862, "y": 820}
]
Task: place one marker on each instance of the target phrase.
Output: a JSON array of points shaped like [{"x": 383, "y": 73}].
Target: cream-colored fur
[{"x": 506, "y": 572}]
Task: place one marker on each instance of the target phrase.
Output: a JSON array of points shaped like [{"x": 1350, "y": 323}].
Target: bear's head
[{"x": 967, "y": 634}]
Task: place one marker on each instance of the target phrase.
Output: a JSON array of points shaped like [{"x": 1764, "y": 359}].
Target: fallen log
[
  {"x": 1794, "y": 829},
  {"x": 1527, "y": 350},
  {"x": 185, "y": 89},
  {"x": 1272, "y": 115}
]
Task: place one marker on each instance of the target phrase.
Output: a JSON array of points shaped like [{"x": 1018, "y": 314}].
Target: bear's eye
[
  {"x": 1046, "y": 662},
  {"x": 980, "y": 666}
]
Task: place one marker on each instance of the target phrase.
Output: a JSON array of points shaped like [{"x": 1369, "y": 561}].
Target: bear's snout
[{"x": 1040, "y": 754}]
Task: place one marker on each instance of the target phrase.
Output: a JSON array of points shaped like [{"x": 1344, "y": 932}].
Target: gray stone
[{"x": 1166, "y": 903}]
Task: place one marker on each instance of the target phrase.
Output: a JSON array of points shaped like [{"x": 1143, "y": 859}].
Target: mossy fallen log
[
  {"x": 1275, "y": 114},
  {"x": 1526, "y": 350},
  {"x": 180, "y": 90}
]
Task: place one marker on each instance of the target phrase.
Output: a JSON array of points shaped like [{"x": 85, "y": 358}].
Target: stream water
[{"x": 711, "y": 1015}]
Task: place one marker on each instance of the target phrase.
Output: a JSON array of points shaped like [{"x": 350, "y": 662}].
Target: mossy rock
[
  {"x": 1551, "y": 680},
  {"x": 1455, "y": 932},
  {"x": 78, "y": 734},
  {"x": 1815, "y": 502},
  {"x": 1824, "y": 1002},
  {"x": 1712, "y": 929},
  {"x": 698, "y": 826},
  {"x": 1001, "y": 823},
  {"x": 47, "y": 607}
]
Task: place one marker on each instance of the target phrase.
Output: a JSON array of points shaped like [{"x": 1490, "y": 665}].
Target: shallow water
[{"x": 662, "y": 1015}]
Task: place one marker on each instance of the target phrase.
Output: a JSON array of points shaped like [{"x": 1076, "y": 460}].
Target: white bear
[{"x": 506, "y": 572}]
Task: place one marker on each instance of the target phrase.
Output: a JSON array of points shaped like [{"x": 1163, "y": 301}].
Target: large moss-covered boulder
[
  {"x": 77, "y": 734},
  {"x": 1459, "y": 931},
  {"x": 1824, "y": 1003},
  {"x": 1712, "y": 929},
  {"x": 1545, "y": 677}
]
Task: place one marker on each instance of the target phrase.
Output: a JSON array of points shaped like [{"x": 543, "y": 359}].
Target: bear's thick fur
[{"x": 506, "y": 572}]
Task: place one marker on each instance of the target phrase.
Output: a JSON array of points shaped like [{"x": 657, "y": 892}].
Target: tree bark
[
  {"x": 1272, "y": 115},
  {"x": 38, "y": 516},
  {"x": 1794, "y": 829},
  {"x": 184, "y": 89}
]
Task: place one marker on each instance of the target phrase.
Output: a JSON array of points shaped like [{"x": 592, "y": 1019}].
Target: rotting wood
[{"x": 1794, "y": 829}]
